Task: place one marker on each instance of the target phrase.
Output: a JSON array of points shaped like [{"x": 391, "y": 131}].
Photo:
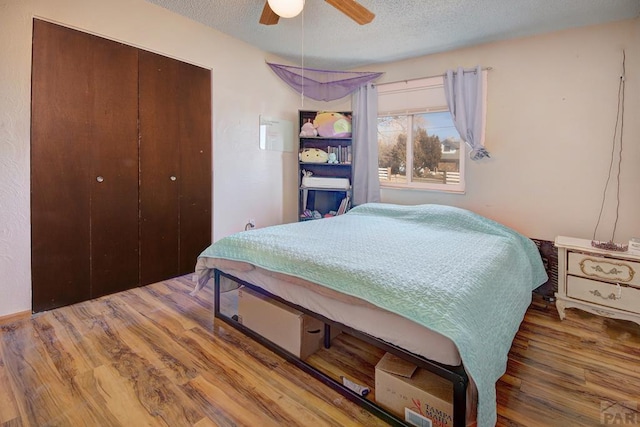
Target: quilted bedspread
[{"x": 448, "y": 269}]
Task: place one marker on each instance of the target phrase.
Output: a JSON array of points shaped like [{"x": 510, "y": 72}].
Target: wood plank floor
[{"x": 153, "y": 356}]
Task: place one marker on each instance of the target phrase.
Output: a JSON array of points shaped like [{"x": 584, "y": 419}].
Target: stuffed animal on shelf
[
  {"x": 313, "y": 155},
  {"x": 332, "y": 125},
  {"x": 332, "y": 158},
  {"x": 308, "y": 130}
]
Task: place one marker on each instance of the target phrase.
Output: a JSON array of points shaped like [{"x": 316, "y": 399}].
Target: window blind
[{"x": 411, "y": 96}]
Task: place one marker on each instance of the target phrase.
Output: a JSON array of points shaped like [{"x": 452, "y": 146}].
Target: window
[{"x": 416, "y": 111}]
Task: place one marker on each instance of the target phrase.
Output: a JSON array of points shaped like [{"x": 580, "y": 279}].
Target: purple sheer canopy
[{"x": 322, "y": 85}]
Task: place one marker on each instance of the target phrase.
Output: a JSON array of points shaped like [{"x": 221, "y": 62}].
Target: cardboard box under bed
[{"x": 294, "y": 331}]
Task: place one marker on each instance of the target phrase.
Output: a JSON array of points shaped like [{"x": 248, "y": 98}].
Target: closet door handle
[
  {"x": 99, "y": 178},
  {"x": 172, "y": 178}
]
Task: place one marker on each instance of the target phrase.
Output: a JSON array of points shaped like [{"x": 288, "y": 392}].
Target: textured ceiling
[{"x": 401, "y": 29}]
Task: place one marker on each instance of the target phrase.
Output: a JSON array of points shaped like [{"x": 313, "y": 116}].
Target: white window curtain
[
  {"x": 465, "y": 94},
  {"x": 366, "y": 185}
]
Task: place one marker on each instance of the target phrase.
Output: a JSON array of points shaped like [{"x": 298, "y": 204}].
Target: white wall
[
  {"x": 248, "y": 182},
  {"x": 550, "y": 119}
]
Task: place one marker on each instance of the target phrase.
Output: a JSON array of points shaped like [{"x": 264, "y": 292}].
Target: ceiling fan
[{"x": 351, "y": 8}]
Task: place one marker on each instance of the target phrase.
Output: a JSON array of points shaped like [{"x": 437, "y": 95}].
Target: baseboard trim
[{"x": 10, "y": 318}]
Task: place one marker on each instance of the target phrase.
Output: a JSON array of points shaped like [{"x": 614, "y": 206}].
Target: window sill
[{"x": 448, "y": 190}]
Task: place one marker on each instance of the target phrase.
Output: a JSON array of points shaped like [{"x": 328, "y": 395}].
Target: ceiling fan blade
[
  {"x": 353, "y": 10},
  {"x": 268, "y": 17}
]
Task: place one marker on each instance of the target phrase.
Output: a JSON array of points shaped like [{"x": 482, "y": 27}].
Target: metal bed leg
[
  {"x": 459, "y": 402},
  {"x": 327, "y": 336},
  {"x": 216, "y": 292}
]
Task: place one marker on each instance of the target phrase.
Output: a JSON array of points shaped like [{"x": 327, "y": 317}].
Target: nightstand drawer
[
  {"x": 607, "y": 294},
  {"x": 595, "y": 267}
]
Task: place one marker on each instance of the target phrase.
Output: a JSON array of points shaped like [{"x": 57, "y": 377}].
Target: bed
[{"x": 456, "y": 284}]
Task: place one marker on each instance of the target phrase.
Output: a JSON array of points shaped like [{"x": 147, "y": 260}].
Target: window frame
[{"x": 424, "y": 186}]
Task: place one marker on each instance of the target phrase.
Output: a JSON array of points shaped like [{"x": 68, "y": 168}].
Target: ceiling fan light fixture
[{"x": 286, "y": 8}]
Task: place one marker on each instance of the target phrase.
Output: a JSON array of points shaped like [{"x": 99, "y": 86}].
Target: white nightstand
[{"x": 598, "y": 281}]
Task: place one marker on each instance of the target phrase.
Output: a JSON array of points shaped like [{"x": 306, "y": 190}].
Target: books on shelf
[
  {"x": 344, "y": 205},
  {"x": 343, "y": 154}
]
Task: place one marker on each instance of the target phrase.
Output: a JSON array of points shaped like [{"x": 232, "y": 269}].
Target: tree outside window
[{"x": 435, "y": 154}]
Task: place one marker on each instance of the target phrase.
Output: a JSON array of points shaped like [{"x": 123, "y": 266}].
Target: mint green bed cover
[{"x": 453, "y": 271}]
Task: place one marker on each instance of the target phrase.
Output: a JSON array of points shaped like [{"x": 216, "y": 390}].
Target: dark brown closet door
[
  {"x": 114, "y": 177},
  {"x": 175, "y": 166},
  {"x": 83, "y": 127},
  {"x": 159, "y": 167},
  {"x": 195, "y": 165}
]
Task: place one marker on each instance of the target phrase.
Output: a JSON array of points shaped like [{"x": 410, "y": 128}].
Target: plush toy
[
  {"x": 313, "y": 155},
  {"x": 308, "y": 129},
  {"x": 332, "y": 158},
  {"x": 333, "y": 125}
]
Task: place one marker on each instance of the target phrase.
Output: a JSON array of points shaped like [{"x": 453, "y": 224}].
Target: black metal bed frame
[{"x": 455, "y": 374}]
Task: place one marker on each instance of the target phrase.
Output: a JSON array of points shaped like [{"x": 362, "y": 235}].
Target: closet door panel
[
  {"x": 194, "y": 99},
  {"x": 59, "y": 168},
  {"x": 84, "y": 126},
  {"x": 159, "y": 114},
  {"x": 114, "y": 180}
]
